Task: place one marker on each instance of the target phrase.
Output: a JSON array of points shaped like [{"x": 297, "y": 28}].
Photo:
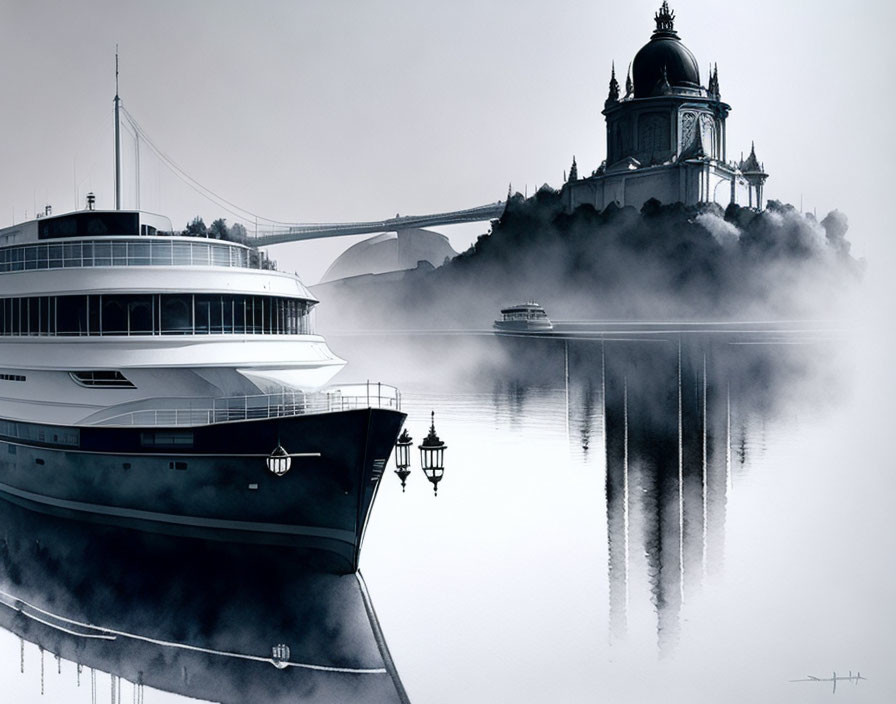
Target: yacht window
[
  {"x": 89, "y": 224},
  {"x": 140, "y": 315},
  {"x": 71, "y": 315},
  {"x": 168, "y": 438},
  {"x": 103, "y": 379},
  {"x": 114, "y": 317},
  {"x": 176, "y": 315},
  {"x": 155, "y": 314}
]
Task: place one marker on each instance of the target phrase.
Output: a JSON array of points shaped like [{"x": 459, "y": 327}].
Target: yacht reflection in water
[{"x": 211, "y": 621}]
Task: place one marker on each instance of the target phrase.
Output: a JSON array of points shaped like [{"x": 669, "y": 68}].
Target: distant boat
[{"x": 526, "y": 317}]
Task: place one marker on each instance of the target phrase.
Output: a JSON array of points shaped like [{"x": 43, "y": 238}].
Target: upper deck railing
[
  {"x": 130, "y": 251},
  {"x": 278, "y": 405}
]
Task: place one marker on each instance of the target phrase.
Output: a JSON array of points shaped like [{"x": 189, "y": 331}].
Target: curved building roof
[
  {"x": 390, "y": 252},
  {"x": 664, "y": 59}
]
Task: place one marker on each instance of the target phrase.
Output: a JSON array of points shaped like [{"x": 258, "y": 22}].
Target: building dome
[
  {"x": 391, "y": 252},
  {"x": 664, "y": 58}
]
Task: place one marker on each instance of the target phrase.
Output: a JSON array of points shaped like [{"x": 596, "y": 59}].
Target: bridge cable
[{"x": 237, "y": 211}]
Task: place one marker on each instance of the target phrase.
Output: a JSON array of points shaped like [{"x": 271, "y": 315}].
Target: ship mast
[{"x": 117, "y": 102}]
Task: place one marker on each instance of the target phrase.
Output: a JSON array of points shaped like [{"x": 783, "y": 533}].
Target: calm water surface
[{"x": 650, "y": 518}]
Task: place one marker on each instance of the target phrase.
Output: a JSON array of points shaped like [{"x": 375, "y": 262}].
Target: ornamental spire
[
  {"x": 613, "y": 96},
  {"x": 713, "y": 86},
  {"x": 628, "y": 81},
  {"x": 665, "y": 18},
  {"x": 574, "y": 171},
  {"x": 751, "y": 165}
]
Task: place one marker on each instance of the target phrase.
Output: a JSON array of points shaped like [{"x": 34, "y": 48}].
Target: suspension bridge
[
  {"x": 276, "y": 232},
  {"x": 294, "y": 233}
]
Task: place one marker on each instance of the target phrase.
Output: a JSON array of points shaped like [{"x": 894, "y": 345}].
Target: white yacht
[
  {"x": 105, "y": 313},
  {"x": 175, "y": 384}
]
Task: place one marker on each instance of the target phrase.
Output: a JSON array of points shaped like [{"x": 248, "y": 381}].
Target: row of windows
[
  {"x": 12, "y": 377},
  {"x": 39, "y": 433},
  {"x": 153, "y": 252},
  {"x": 155, "y": 314}
]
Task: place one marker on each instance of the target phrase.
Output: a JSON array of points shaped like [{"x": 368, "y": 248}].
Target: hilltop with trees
[{"x": 664, "y": 261}]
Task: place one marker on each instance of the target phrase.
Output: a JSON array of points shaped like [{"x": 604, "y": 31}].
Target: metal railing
[{"x": 278, "y": 405}]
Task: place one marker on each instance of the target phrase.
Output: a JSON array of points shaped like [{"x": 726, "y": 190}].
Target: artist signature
[{"x": 854, "y": 678}]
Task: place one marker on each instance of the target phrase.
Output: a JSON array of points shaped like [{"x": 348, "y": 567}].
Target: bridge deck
[{"x": 295, "y": 233}]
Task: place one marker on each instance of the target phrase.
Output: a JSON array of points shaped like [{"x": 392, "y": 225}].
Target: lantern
[
  {"x": 279, "y": 461},
  {"x": 432, "y": 456},
  {"x": 403, "y": 457}
]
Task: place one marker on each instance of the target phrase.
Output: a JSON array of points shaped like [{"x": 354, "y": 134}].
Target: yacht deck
[{"x": 194, "y": 412}]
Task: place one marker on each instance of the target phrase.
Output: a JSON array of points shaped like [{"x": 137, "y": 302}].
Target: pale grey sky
[{"x": 341, "y": 111}]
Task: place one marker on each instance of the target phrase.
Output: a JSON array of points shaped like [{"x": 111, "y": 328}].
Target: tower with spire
[
  {"x": 666, "y": 135},
  {"x": 754, "y": 172},
  {"x": 573, "y": 171},
  {"x": 613, "y": 96}
]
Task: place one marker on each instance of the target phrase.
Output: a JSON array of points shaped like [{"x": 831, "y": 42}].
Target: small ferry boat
[{"x": 526, "y": 317}]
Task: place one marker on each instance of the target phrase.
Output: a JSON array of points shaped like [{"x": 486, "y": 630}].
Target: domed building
[
  {"x": 391, "y": 251},
  {"x": 666, "y": 135}
]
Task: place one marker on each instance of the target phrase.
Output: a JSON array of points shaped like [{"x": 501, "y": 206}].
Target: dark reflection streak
[
  {"x": 717, "y": 423},
  {"x": 678, "y": 419},
  {"x": 587, "y": 417},
  {"x": 625, "y": 489},
  {"x": 616, "y": 459},
  {"x": 603, "y": 390},
  {"x": 566, "y": 384},
  {"x": 728, "y": 480},
  {"x": 704, "y": 486},
  {"x": 657, "y": 429},
  {"x": 680, "y": 485}
]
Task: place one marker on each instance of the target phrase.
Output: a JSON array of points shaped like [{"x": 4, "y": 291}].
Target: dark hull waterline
[{"x": 211, "y": 482}]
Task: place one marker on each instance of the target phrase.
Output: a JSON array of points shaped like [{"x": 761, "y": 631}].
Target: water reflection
[
  {"x": 673, "y": 412},
  {"x": 588, "y": 492},
  {"x": 204, "y": 620}
]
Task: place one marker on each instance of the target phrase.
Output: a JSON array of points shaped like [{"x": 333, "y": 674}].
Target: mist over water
[
  {"x": 664, "y": 262},
  {"x": 639, "y": 518},
  {"x": 547, "y": 576}
]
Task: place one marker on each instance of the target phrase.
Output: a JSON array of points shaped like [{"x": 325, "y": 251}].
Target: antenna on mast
[{"x": 117, "y": 139}]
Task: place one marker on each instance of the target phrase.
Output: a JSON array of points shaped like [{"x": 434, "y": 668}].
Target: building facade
[{"x": 666, "y": 136}]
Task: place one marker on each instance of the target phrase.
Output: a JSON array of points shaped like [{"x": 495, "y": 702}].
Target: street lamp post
[
  {"x": 403, "y": 457},
  {"x": 432, "y": 456}
]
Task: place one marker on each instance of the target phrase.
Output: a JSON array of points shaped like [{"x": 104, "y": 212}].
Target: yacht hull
[{"x": 212, "y": 481}]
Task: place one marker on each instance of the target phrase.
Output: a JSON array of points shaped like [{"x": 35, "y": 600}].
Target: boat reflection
[{"x": 205, "y": 620}]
